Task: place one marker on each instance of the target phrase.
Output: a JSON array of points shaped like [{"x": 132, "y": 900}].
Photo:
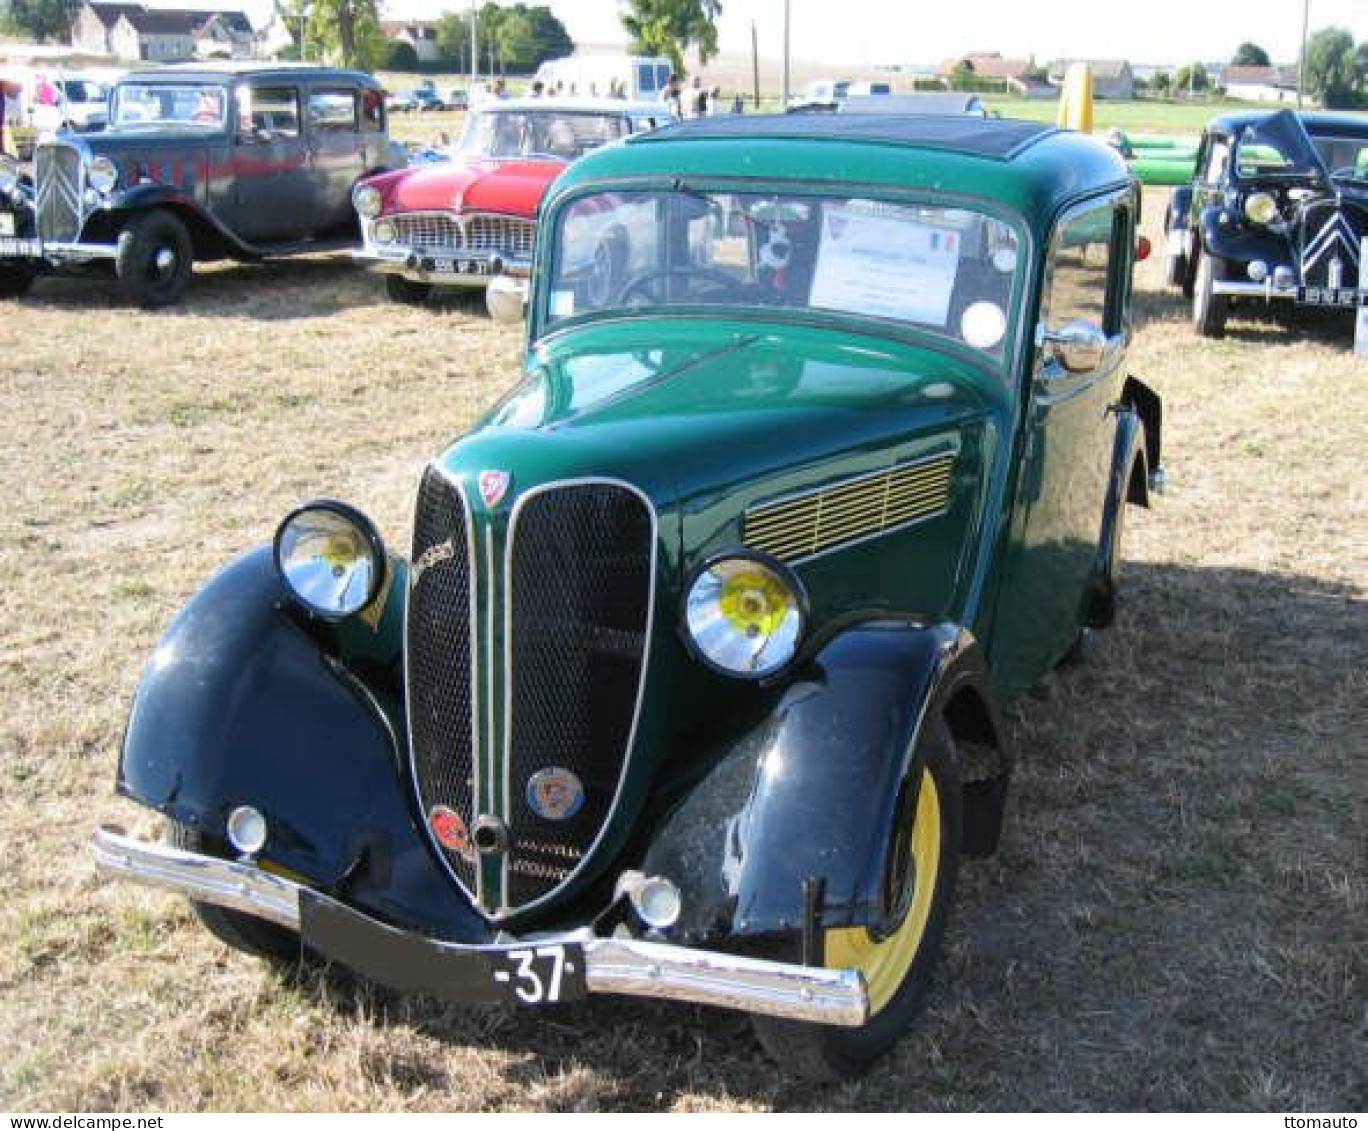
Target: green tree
[
  {"x": 669, "y": 27},
  {"x": 348, "y": 31},
  {"x": 453, "y": 39},
  {"x": 1191, "y": 79},
  {"x": 1333, "y": 71},
  {"x": 400, "y": 55},
  {"x": 40, "y": 19},
  {"x": 1162, "y": 82},
  {"x": 1249, "y": 55}
]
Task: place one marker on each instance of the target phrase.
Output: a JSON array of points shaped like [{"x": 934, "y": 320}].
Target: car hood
[
  {"x": 478, "y": 186},
  {"x": 756, "y": 413}
]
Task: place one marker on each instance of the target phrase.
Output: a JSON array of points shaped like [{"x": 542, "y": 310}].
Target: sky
[{"x": 917, "y": 31}]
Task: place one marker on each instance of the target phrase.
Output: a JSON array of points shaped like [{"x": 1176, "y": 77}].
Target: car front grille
[
  {"x": 510, "y": 236},
  {"x": 1330, "y": 233},
  {"x": 526, "y": 651},
  {"x": 57, "y": 174}
]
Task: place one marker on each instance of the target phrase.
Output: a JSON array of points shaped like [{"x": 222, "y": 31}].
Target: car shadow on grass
[
  {"x": 1163, "y": 927},
  {"x": 1254, "y": 322}
]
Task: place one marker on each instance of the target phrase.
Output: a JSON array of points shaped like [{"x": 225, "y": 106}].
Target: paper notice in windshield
[{"x": 886, "y": 266}]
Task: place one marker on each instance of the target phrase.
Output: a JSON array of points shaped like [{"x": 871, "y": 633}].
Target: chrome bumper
[
  {"x": 613, "y": 965},
  {"x": 1264, "y": 290},
  {"x": 56, "y": 253},
  {"x": 428, "y": 266}
]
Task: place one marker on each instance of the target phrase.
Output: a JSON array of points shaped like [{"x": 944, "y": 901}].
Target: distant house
[
  {"x": 1021, "y": 76},
  {"x": 1260, "y": 84},
  {"x": 420, "y": 34},
  {"x": 1111, "y": 78},
  {"x": 161, "y": 35}
]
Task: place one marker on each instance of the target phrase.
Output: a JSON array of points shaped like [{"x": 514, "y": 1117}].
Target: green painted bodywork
[{"x": 711, "y": 413}]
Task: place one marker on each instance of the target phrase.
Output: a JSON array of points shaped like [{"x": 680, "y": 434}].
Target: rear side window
[
  {"x": 372, "y": 111},
  {"x": 266, "y": 113},
  {"x": 332, "y": 110}
]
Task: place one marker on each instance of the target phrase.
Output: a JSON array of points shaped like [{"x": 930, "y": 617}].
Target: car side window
[
  {"x": 332, "y": 110},
  {"x": 1217, "y": 161},
  {"x": 372, "y": 103},
  {"x": 1082, "y": 279},
  {"x": 268, "y": 113}
]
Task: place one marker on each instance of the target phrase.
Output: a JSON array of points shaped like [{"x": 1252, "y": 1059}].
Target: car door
[
  {"x": 1068, "y": 436},
  {"x": 337, "y": 154},
  {"x": 270, "y": 166}
]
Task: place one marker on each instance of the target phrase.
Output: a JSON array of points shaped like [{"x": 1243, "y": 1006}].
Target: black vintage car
[
  {"x": 224, "y": 161},
  {"x": 1278, "y": 210}
]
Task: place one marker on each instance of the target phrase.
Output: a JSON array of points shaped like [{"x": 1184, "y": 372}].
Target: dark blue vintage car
[
  {"x": 1276, "y": 213},
  {"x": 222, "y": 161}
]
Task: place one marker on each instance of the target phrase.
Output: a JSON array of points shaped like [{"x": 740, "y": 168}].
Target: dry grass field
[{"x": 1177, "y": 918}]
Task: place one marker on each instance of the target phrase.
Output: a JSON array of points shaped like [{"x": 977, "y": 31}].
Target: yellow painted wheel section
[{"x": 885, "y": 962}]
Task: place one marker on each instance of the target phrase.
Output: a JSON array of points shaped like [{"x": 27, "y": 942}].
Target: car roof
[
  {"x": 1354, "y": 124},
  {"x": 1036, "y": 169},
  {"x": 211, "y": 71}
]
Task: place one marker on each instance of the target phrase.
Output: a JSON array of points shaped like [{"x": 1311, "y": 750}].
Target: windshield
[
  {"x": 950, "y": 270},
  {"x": 559, "y": 134},
  {"x": 162, "y": 104}
]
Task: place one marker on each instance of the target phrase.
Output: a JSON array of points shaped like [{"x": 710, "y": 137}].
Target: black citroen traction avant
[
  {"x": 199, "y": 162},
  {"x": 1277, "y": 213}
]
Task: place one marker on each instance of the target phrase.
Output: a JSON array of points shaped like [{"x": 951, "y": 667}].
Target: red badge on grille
[
  {"x": 448, "y": 828},
  {"x": 494, "y": 486}
]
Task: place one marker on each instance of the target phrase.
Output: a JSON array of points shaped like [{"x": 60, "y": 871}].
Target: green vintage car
[{"x": 690, "y": 684}]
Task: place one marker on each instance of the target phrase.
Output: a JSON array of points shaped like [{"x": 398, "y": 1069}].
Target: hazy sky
[{"x": 924, "y": 31}]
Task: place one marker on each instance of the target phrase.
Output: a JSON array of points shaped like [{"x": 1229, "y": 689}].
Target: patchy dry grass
[{"x": 1177, "y": 918}]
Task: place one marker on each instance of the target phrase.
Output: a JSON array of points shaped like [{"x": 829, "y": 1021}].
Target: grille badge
[
  {"x": 554, "y": 794},
  {"x": 494, "y": 486},
  {"x": 449, "y": 829}
]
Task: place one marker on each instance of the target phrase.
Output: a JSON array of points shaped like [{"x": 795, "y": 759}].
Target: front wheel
[
  {"x": 257, "y": 937},
  {"x": 897, "y": 961},
  {"x": 1208, "y": 308},
  {"x": 154, "y": 259}
]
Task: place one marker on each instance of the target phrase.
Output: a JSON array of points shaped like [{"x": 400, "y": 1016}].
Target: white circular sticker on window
[
  {"x": 982, "y": 324},
  {"x": 1005, "y": 259}
]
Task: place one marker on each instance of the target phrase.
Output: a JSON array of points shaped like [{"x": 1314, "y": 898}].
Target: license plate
[
  {"x": 1332, "y": 296},
  {"x": 461, "y": 266},
  {"x": 11, "y": 248},
  {"x": 540, "y": 975}
]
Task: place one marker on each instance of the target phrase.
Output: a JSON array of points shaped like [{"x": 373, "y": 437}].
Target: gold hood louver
[{"x": 802, "y": 526}]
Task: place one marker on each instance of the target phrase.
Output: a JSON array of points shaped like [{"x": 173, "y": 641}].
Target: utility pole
[
  {"x": 755, "y": 66},
  {"x": 474, "y": 48},
  {"x": 783, "y": 105},
  {"x": 1301, "y": 58}
]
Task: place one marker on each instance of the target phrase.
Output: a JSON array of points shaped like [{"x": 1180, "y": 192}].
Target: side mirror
[{"x": 1079, "y": 347}]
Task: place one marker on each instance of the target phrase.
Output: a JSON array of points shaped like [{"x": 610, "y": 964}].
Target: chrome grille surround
[
  {"x": 517, "y": 633},
  {"x": 1329, "y": 243},
  {"x": 59, "y": 186},
  {"x": 470, "y": 232},
  {"x": 840, "y": 514}
]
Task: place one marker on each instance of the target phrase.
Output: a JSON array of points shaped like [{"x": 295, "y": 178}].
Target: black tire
[
  {"x": 15, "y": 280},
  {"x": 898, "y": 965},
  {"x": 406, "y": 291},
  {"x": 257, "y": 937},
  {"x": 1208, "y": 308},
  {"x": 154, "y": 260}
]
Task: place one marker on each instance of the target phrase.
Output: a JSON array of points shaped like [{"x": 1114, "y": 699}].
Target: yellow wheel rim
[{"x": 885, "y": 962}]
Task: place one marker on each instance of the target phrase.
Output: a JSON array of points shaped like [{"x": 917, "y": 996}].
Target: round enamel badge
[
  {"x": 554, "y": 794},
  {"x": 448, "y": 828}
]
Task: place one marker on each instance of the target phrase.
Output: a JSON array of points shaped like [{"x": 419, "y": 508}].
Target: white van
[{"x": 637, "y": 78}]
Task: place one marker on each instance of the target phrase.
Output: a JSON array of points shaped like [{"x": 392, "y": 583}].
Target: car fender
[
  {"x": 212, "y": 239},
  {"x": 241, "y": 704},
  {"x": 1127, "y": 464},
  {"x": 804, "y": 802},
  {"x": 1225, "y": 237}
]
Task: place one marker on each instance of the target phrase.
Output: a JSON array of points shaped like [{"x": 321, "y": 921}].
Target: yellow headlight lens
[
  {"x": 1261, "y": 208},
  {"x": 745, "y": 616}
]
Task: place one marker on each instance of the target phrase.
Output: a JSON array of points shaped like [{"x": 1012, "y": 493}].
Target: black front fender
[
  {"x": 240, "y": 705},
  {"x": 1224, "y": 236},
  {"x": 810, "y": 794}
]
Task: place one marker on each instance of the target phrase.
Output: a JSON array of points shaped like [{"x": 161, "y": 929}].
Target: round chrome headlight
[
  {"x": 744, "y": 615},
  {"x": 1261, "y": 207},
  {"x": 102, "y": 174},
  {"x": 366, "y": 200},
  {"x": 384, "y": 232},
  {"x": 330, "y": 558}
]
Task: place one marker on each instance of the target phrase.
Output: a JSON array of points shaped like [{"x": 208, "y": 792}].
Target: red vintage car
[{"x": 464, "y": 222}]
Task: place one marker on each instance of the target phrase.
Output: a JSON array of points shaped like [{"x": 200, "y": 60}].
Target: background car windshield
[
  {"x": 1343, "y": 156},
  {"x": 951, "y": 270},
  {"x": 138, "y": 104},
  {"x": 565, "y": 135}
]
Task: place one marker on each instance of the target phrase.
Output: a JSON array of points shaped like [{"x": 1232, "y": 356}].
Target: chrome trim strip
[
  {"x": 474, "y": 687},
  {"x": 951, "y": 448},
  {"x": 79, "y": 251},
  {"x": 612, "y": 965},
  {"x": 1265, "y": 289},
  {"x": 542, "y": 488}
]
